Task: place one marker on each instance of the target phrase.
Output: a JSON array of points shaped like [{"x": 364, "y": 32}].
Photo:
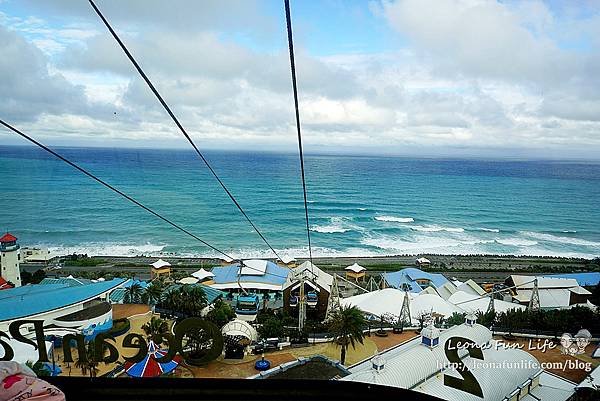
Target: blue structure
[
  {"x": 247, "y": 305},
  {"x": 414, "y": 280},
  {"x": 262, "y": 364},
  {"x": 272, "y": 279},
  {"x": 70, "y": 281},
  {"x": 583, "y": 279},
  {"x": 31, "y": 300}
]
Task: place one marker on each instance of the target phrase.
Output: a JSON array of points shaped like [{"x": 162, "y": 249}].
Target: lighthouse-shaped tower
[{"x": 10, "y": 258}]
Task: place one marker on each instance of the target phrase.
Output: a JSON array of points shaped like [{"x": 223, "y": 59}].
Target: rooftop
[
  {"x": 272, "y": 277},
  {"x": 8, "y": 238},
  {"x": 410, "y": 275},
  {"x": 34, "y": 299}
]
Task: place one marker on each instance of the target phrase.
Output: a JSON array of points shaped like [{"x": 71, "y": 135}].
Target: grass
[{"x": 84, "y": 262}]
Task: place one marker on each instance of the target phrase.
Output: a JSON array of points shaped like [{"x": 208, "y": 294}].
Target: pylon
[
  {"x": 405, "y": 311},
  {"x": 534, "y": 302}
]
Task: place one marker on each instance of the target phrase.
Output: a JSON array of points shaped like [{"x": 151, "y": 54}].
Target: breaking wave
[{"x": 395, "y": 219}]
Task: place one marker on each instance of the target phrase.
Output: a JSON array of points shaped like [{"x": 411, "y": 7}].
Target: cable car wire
[
  {"x": 107, "y": 185},
  {"x": 288, "y": 20},
  {"x": 178, "y": 124}
]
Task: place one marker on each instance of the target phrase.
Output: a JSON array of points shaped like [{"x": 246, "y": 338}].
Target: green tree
[
  {"x": 153, "y": 293},
  {"x": 346, "y": 325},
  {"x": 221, "y": 313},
  {"x": 271, "y": 327},
  {"x": 133, "y": 294},
  {"x": 155, "y": 329},
  {"x": 455, "y": 319},
  {"x": 188, "y": 300}
]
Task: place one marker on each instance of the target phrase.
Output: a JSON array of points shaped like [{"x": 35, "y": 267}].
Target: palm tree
[
  {"x": 155, "y": 329},
  {"x": 133, "y": 294},
  {"x": 153, "y": 293},
  {"x": 346, "y": 325}
]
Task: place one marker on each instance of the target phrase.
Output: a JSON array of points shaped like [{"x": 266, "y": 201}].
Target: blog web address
[{"x": 566, "y": 365}]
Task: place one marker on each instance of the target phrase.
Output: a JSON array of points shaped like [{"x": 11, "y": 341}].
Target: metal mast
[{"x": 534, "y": 302}]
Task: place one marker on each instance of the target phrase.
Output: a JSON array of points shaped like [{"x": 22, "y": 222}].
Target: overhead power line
[{"x": 178, "y": 124}]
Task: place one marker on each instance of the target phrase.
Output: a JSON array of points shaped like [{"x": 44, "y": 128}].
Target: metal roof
[
  {"x": 414, "y": 362},
  {"x": 227, "y": 276},
  {"x": 420, "y": 368},
  {"x": 35, "y": 299}
]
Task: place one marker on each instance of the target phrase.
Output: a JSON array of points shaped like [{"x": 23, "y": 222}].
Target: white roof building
[
  {"x": 553, "y": 292},
  {"x": 160, "y": 264},
  {"x": 471, "y": 287},
  {"x": 503, "y": 373},
  {"x": 311, "y": 273},
  {"x": 475, "y": 303},
  {"x": 202, "y": 274},
  {"x": 389, "y": 302},
  {"x": 356, "y": 268},
  {"x": 287, "y": 259}
]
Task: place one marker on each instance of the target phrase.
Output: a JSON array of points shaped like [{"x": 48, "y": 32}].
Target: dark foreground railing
[{"x": 153, "y": 389}]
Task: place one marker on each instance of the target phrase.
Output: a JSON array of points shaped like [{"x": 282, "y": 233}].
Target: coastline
[{"x": 479, "y": 267}]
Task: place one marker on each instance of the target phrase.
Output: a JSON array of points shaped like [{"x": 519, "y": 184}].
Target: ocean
[{"x": 358, "y": 205}]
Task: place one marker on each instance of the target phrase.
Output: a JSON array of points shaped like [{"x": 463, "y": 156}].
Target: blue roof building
[
  {"x": 252, "y": 275},
  {"x": 414, "y": 280},
  {"x": 54, "y": 300}
]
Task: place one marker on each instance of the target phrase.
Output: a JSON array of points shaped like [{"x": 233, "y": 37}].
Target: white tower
[{"x": 10, "y": 257}]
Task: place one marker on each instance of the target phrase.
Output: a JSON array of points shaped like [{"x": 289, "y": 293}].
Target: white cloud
[{"x": 474, "y": 75}]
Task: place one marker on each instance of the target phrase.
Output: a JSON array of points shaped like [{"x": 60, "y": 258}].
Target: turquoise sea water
[{"x": 358, "y": 205}]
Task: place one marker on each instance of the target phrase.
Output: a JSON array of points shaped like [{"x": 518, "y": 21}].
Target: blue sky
[{"x": 445, "y": 77}]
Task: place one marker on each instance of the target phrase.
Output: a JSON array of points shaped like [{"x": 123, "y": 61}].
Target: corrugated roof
[
  {"x": 417, "y": 367},
  {"x": 415, "y": 362},
  {"x": 69, "y": 281},
  {"x": 226, "y": 276},
  {"x": 34, "y": 299}
]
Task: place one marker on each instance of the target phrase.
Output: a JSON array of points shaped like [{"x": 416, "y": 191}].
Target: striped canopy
[{"x": 149, "y": 367}]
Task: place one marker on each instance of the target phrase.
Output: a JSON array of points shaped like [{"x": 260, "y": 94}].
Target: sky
[{"x": 449, "y": 78}]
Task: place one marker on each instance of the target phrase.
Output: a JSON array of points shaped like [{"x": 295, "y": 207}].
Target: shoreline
[{"x": 491, "y": 264}]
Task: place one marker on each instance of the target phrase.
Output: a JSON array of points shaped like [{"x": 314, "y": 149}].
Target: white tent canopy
[
  {"x": 287, "y": 259},
  {"x": 474, "y": 303},
  {"x": 188, "y": 280},
  {"x": 160, "y": 264},
  {"x": 202, "y": 274},
  {"x": 389, "y": 302},
  {"x": 356, "y": 268}
]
